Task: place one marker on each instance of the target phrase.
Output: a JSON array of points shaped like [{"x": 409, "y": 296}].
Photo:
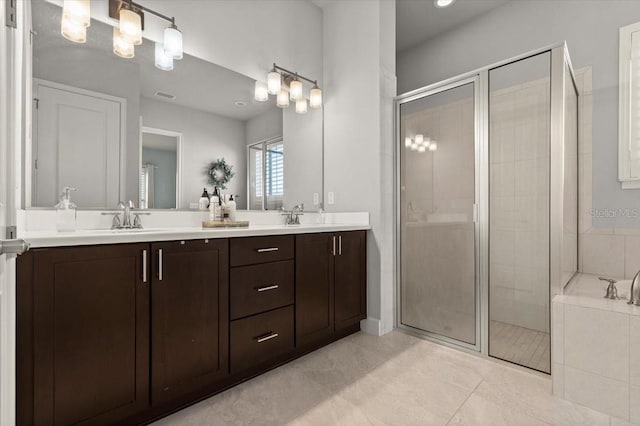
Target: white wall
[
  {"x": 591, "y": 31},
  {"x": 265, "y": 126},
  {"x": 205, "y": 138},
  {"x": 359, "y": 90}
]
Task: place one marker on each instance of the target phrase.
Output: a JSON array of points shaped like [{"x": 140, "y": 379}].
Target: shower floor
[{"x": 523, "y": 346}]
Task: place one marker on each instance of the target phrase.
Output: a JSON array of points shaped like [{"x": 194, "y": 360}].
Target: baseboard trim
[{"x": 374, "y": 326}]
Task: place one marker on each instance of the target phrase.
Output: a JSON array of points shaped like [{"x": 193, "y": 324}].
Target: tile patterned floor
[
  {"x": 395, "y": 379},
  {"x": 523, "y": 346}
]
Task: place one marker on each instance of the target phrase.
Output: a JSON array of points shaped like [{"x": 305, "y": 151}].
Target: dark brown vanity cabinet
[
  {"x": 189, "y": 316},
  {"x": 83, "y": 327},
  {"x": 330, "y": 284}
]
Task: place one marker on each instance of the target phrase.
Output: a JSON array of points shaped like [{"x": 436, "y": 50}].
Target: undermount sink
[{"x": 118, "y": 231}]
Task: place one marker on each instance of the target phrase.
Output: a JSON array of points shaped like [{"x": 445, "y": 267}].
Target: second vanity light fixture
[
  {"x": 76, "y": 17},
  {"x": 277, "y": 82},
  {"x": 420, "y": 143}
]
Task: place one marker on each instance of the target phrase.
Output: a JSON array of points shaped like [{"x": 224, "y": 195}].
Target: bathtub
[{"x": 595, "y": 349}]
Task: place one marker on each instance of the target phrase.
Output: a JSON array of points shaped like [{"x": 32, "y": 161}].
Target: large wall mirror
[{"x": 121, "y": 129}]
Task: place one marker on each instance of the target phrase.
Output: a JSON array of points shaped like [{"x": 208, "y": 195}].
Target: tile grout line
[{"x": 465, "y": 401}]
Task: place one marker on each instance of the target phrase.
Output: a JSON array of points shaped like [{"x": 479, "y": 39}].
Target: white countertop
[{"x": 48, "y": 238}]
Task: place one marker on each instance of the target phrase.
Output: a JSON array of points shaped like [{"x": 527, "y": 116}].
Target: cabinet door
[
  {"x": 189, "y": 317},
  {"x": 90, "y": 334},
  {"x": 314, "y": 288},
  {"x": 350, "y": 279}
]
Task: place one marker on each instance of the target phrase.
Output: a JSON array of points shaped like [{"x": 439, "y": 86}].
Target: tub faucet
[
  {"x": 612, "y": 291},
  {"x": 634, "y": 293}
]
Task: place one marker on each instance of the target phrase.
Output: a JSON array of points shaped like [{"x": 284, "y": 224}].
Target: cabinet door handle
[
  {"x": 266, "y": 250},
  {"x": 266, "y": 337},
  {"x": 159, "y": 264},
  {"x": 144, "y": 266},
  {"x": 340, "y": 245},
  {"x": 267, "y": 288},
  {"x": 334, "y": 245}
]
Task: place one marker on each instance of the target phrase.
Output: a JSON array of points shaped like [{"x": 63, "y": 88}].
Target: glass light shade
[
  {"x": 301, "y": 106},
  {"x": 283, "y": 99},
  {"x": 274, "y": 82},
  {"x": 131, "y": 26},
  {"x": 407, "y": 142},
  {"x": 433, "y": 146},
  {"x": 414, "y": 146},
  {"x": 73, "y": 31},
  {"x": 261, "y": 94},
  {"x": 163, "y": 61},
  {"x": 426, "y": 142},
  {"x": 443, "y": 3},
  {"x": 422, "y": 149},
  {"x": 121, "y": 47},
  {"x": 295, "y": 90},
  {"x": 78, "y": 11},
  {"x": 419, "y": 139},
  {"x": 173, "y": 42},
  {"x": 315, "y": 98}
]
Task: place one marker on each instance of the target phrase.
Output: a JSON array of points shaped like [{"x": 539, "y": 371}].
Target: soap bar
[{"x": 228, "y": 224}]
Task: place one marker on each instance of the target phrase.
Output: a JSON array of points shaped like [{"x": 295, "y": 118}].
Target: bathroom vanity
[{"x": 126, "y": 333}]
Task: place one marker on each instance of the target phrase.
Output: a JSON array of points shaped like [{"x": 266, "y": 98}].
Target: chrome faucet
[
  {"x": 293, "y": 217},
  {"x": 612, "y": 291},
  {"x": 125, "y": 223},
  {"x": 634, "y": 293}
]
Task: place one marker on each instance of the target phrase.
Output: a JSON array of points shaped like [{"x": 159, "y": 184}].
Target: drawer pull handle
[
  {"x": 267, "y": 337},
  {"x": 267, "y": 250},
  {"x": 267, "y": 288},
  {"x": 144, "y": 266}
]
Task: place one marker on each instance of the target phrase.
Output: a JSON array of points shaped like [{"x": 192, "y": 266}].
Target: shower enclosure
[{"x": 487, "y": 210}]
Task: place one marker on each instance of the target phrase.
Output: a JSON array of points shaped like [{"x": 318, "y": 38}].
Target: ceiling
[
  {"x": 216, "y": 89},
  {"x": 420, "y": 20}
]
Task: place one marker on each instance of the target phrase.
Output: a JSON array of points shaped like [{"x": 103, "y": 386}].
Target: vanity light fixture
[
  {"x": 285, "y": 83},
  {"x": 420, "y": 143},
  {"x": 130, "y": 25},
  {"x": 443, "y": 3},
  {"x": 162, "y": 60},
  {"x": 173, "y": 41},
  {"x": 122, "y": 47},
  {"x": 76, "y": 17}
]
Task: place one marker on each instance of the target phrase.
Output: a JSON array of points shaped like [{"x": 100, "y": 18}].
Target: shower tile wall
[
  {"x": 519, "y": 205},
  {"x": 438, "y": 293}
]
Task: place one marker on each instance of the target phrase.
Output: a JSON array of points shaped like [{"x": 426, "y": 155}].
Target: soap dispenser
[{"x": 66, "y": 212}]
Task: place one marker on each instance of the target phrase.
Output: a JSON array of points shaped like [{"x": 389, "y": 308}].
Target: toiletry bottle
[
  {"x": 214, "y": 205},
  {"x": 232, "y": 208},
  {"x": 203, "y": 204},
  {"x": 66, "y": 212}
]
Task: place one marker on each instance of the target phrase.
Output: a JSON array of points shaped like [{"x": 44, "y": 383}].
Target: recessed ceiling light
[
  {"x": 241, "y": 104},
  {"x": 443, "y": 3}
]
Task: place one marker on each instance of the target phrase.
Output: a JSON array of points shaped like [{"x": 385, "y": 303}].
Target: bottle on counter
[
  {"x": 66, "y": 212},
  {"x": 214, "y": 206},
  {"x": 232, "y": 208},
  {"x": 203, "y": 203}
]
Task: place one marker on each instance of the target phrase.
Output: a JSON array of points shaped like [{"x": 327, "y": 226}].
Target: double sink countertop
[{"x": 38, "y": 228}]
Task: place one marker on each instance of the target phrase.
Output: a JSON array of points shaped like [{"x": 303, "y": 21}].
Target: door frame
[
  {"x": 30, "y": 169},
  {"x": 173, "y": 134}
]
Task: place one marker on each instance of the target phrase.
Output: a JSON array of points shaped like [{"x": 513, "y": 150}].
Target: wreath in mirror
[{"x": 219, "y": 173}]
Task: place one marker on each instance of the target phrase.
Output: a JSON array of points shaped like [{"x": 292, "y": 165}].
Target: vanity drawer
[
  {"x": 260, "y": 338},
  {"x": 261, "y": 288},
  {"x": 253, "y": 250}
]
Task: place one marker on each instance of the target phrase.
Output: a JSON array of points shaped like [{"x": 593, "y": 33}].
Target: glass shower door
[{"x": 438, "y": 285}]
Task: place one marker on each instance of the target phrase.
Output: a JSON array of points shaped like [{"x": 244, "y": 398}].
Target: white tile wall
[{"x": 600, "y": 393}]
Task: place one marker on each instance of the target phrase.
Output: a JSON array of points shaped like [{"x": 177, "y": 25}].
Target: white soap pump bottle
[{"x": 66, "y": 212}]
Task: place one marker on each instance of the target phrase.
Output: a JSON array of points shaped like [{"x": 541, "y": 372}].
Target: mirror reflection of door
[
  {"x": 159, "y": 169},
  {"x": 266, "y": 174}
]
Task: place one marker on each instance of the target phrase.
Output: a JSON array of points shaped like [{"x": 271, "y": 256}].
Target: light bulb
[
  {"x": 163, "y": 61},
  {"x": 433, "y": 146},
  {"x": 295, "y": 90},
  {"x": 261, "y": 94},
  {"x": 78, "y": 11},
  {"x": 315, "y": 98},
  {"x": 121, "y": 47},
  {"x": 131, "y": 26},
  {"x": 274, "y": 82},
  {"x": 422, "y": 149},
  {"x": 419, "y": 139},
  {"x": 282, "y": 100},
  {"x": 173, "y": 42},
  {"x": 407, "y": 142},
  {"x": 73, "y": 31},
  {"x": 301, "y": 106}
]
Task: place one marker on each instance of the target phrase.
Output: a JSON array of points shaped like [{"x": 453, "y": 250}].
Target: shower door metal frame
[
  {"x": 480, "y": 78},
  {"x": 478, "y": 82}
]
